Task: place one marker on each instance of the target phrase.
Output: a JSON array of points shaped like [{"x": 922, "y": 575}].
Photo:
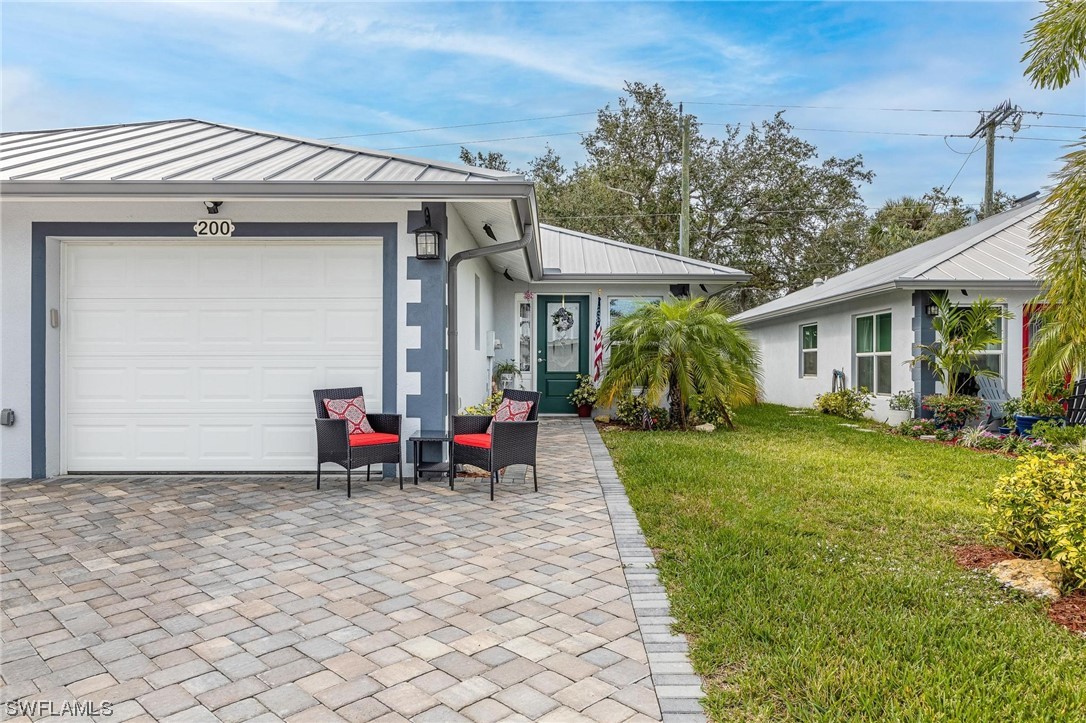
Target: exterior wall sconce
[
  {"x": 427, "y": 239},
  {"x": 212, "y": 206},
  {"x": 931, "y": 310}
]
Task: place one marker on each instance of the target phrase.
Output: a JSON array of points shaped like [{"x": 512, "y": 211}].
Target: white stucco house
[
  {"x": 867, "y": 322},
  {"x": 172, "y": 292}
]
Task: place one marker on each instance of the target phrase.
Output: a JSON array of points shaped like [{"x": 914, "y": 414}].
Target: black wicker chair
[
  {"x": 1076, "y": 404},
  {"x": 334, "y": 444},
  {"x": 509, "y": 443}
]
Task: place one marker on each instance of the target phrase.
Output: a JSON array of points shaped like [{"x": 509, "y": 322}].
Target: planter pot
[
  {"x": 585, "y": 410},
  {"x": 895, "y": 417},
  {"x": 1023, "y": 424}
]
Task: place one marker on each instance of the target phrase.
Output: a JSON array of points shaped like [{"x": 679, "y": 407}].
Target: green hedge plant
[{"x": 847, "y": 403}]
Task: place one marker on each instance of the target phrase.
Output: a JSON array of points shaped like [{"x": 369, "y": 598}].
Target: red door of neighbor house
[{"x": 1031, "y": 324}]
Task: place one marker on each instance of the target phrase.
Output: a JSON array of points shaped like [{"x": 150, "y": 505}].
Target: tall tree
[
  {"x": 761, "y": 199},
  {"x": 907, "y": 221},
  {"x": 1056, "y": 55},
  {"x": 493, "y": 160}
]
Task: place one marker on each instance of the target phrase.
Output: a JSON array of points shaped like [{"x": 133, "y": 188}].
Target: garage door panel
[{"x": 214, "y": 372}]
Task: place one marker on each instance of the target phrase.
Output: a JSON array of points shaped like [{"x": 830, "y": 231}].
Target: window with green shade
[
  {"x": 808, "y": 343},
  {"x": 874, "y": 341}
]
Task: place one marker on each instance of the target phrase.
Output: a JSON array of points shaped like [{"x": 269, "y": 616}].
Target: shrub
[
  {"x": 636, "y": 412},
  {"x": 847, "y": 403},
  {"x": 1059, "y": 435},
  {"x": 916, "y": 427},
  {"x": 486, "y": 407},
  {"x": 945, "y": 434},
  {"x": 953, "y": 410},
  {"x": 1040, "y": 510},
  {"x": 706, "y": 410}
]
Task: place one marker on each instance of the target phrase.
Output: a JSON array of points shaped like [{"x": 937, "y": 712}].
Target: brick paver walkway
[{"x": 261, "y": 598}]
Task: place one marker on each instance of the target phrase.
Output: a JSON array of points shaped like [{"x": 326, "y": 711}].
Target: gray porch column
[
  {"x": 923, "y": 333},
  {"x": 430, "y": 316}
]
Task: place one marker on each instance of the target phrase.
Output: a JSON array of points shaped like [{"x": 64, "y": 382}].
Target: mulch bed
[
  {"x": 980, "y": 557},
  {"x": 1070, "y": 612}
]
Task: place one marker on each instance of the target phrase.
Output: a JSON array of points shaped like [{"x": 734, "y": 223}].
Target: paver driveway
[{"x": 261, "y": 598}]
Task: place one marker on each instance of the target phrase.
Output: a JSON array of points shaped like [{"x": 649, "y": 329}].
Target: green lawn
[{"x": 810, "y": 565}]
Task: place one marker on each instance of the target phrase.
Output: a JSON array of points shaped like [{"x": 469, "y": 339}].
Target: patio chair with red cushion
[
  {"x": 349, "y": 436},
  {"x": 493, "y": 443}
]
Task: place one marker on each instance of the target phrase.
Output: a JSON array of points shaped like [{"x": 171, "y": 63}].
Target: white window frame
[
  {"x": 873, "y": 354},
  {"x": 1001, "y": 352},
  {"x": 803, "y": 351}
]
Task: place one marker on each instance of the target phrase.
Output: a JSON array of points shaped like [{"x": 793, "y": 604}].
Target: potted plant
[
  {"x": 902, "y": 406},
  {"x": 504, "y": 373},
  {"x": 1027, "y": 412},
  {"x": 584, "y": 396},
  {"x": 953, "y": 411}
]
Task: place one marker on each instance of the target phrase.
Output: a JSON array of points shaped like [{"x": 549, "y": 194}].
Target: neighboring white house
[
  {"x": 867, "y": 322},
  {"x": 142, "y": 333}
]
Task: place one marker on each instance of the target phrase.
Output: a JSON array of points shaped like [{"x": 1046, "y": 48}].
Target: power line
[
  {"x": 810, "y": 130},
  {"x": 462, "y": 125},
  {"x": 962, "y": 167},
  {"x": 893, "y": 110}
]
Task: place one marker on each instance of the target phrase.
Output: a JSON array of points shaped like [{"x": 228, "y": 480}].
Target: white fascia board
[
  {"x": 814, "y": 304},
  {"x": 627, "y": 278}
]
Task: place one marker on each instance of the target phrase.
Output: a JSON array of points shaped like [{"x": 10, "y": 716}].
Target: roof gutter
[{"x": 454, "y": 262}]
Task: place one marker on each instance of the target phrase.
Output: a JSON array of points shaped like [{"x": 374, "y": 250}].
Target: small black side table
[{"x": 429, "y": 453}]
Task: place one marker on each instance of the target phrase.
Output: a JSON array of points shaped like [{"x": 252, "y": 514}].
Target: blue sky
[{"x": 337, "y": 68}]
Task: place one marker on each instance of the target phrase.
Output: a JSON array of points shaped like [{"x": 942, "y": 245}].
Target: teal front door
[{"x": 563, "y": 341}]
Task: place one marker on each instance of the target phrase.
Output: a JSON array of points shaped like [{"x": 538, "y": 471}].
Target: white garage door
[{"x": 187, "y": 357}]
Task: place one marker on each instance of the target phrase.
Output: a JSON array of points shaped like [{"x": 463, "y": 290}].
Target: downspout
[{"x": 454, "y": 262}]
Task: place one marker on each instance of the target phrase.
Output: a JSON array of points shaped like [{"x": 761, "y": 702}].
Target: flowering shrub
[
  {"x": 1040, "y": 510},
  {"x": 847, "y": 403},
  {"x": 636, "y": 412},
  {"x": 953, "y": 410},
  {"x": 1046, "y": 407},
  {"x": 916, "y": 427}
]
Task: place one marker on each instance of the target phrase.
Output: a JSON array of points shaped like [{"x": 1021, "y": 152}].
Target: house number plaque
[{"x": 220, "y": 228}]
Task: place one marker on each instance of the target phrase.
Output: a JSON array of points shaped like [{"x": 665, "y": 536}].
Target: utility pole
[
  {"x": 684, "y": 219},
  {"x": 988, "y": 124}
]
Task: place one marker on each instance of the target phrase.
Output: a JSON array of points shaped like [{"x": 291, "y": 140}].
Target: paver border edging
[{"x": 678, "y": 688}]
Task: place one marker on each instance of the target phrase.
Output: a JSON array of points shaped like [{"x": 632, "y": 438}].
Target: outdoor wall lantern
[
  {"x": 931, "y": 310},
  {"x": 426, "y": 239}
]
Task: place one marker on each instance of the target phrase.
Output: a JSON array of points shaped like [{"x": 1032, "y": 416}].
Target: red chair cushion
[
  {"x": 510, "y": 411},
  {"x": 354, "y": 411},
  {"x": 362, "y": 440},
  {"x": 473, "y": 440}
]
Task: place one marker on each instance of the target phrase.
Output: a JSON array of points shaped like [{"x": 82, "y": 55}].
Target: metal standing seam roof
[
  {"x": 994, "y": 251},
  {"x": 571, "y": 255},
  {"x": 195, "y": 150}
]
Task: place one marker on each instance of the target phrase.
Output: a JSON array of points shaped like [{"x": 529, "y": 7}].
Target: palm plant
[
  {"x": 963, "y": 332},
  {"x": 684, "y": 348},
  {"x": 1056, "y": 54}
]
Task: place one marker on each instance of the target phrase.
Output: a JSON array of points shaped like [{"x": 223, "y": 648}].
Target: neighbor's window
[
  {"x": 873, "y": 337},
  {"x": 808, "y": 342}
]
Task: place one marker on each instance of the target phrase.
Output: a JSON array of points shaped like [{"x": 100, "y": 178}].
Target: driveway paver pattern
[{"x": 239, "y": 598}]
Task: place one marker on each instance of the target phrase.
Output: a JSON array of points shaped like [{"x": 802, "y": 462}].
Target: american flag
[{"x": 597, "y": 342}]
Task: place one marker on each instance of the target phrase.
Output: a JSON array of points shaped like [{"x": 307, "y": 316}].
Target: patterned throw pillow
[
  {"x": 353, "y": 410},
  {"x": 510, "y": 411}
]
